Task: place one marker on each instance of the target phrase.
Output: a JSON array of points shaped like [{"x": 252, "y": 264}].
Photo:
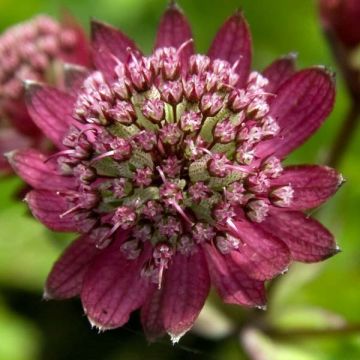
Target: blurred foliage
[{"x": 309, "y": 296}]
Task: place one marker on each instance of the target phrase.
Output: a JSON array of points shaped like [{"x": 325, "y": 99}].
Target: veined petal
[
  {"x": 175, "y": 307},
  {"x": 306, "y": 238},
  {"x": 108, "y": 43},
  {"x": 47, "y": 207},
  {"x": 186, "y": 286},
  {"x": 312, "y": 184},
  {"x": 30, "y": 165},
  {"x": 51, "y": 110},
  {"x": 300, "y": 107},
  {"x": 151, "y": 316},
  {"x": 261, "y": 255},
  {"x": 232, "y": 283},
  {"x": 279, "y": 71},
  {"x": 174, "y": 30},
  {"x": 233, "y": 43},
  {"x": 114, "y": 287},
  {"x": 67, "y": 275}
]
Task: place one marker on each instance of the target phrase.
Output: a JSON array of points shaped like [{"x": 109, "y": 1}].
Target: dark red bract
[{"x": 170, "y": 169}]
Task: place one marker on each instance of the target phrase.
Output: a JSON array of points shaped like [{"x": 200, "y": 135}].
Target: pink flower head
[
  {"x": 164, "y": 215},
  {"x": 33, "y": 51},
  {"x": 342, "y": 18}
]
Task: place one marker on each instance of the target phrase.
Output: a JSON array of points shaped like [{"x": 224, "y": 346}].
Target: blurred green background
[{"x": 310, "y": 297}]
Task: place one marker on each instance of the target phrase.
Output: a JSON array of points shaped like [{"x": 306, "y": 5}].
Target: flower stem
[{"x": 345, "y": 135}]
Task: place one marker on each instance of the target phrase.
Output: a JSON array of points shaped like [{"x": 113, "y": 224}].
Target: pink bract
[{"x": 170, "y": 169}]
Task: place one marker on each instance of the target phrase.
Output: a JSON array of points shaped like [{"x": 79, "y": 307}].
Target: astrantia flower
[
  {"x": 32, "y": 50},
  {"x": 170, "y": 170},
  {"x": 342, "y": 17}
]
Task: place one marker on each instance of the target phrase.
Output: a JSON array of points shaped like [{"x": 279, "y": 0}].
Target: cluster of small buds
[
  {"x": 168, "y": 153},
  {"x": 28, "y": 50}
]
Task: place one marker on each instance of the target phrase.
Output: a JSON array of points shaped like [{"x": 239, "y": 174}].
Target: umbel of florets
[
  {"x": 28, "y": 50},
  {"x": 183, "y": 166},
  {"x": 33, "y": 50},
  {"x": 170, "y": 168}
]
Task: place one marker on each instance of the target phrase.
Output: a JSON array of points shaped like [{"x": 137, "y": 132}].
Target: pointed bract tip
[
  {"x": 96, "y": 25},
  {"x": 47, "y": 295},
  {"x": 96, "y": 325},
  {"x": 173, "y": 5},
  {"x": 175, "y": 338},
  {"x": 72, "y": 67},
  {"x": 337, "y": 250},
  {"x": 31, "y": 84},
  {"x": 328, "y": 71},
  {"x": 341, "y": 180},
  {"x": 291, "y": 56},
  {"x": 9, "y": 156}
]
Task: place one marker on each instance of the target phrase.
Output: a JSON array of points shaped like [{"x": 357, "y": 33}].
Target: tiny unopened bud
[
  {"x": 84, "y": 174},
  {"x": 168, "y": 62},
  {"x": 125, "y": 217},
  {"x": 257, "y": 210},
  {"x": 227, "y": 244},
  {"x": 169, "y": 227},
  {"x": 153, "y": 109},
  {"x": 244, "y": 155},
  {"x": 171, "y": 91},
  {"x": 225, "y": 131},
  {"x": 258, "y": 183},
  {"x": 194, "y": 87},
  {"x": 223, "y": 211},
  {"x": 123, "y": 112},
  {"x": 258, "y": 108},
  {"x": 211, "y": 103},
  {"x": 145, "y": 139},
  {"x": 191, "y": 121},
  {"x": 257, "y": 81},
  {"x": 217, "y": 165},
  {"x": 199, "y": 191},
  {"x": 270, "y": 127},
  {"x": 272, "y": 167},
  {"x": 282, "y": 196},
  {"x": 118, "y": 188},
  {"x": 170, "y": 134},
  {"x": 143, "y": 177},
  {"x": 140, "y": 72},
  {"x": 203, "y": 233},
  {"x": 122, "y": 149},
  {"x": 199, "y": 63},
  {"x": 238, "y": 100},
  {"x": 171, "y": 167}
]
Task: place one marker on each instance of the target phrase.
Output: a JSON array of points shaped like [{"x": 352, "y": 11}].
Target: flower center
[{"x": 168, "y": 150}]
